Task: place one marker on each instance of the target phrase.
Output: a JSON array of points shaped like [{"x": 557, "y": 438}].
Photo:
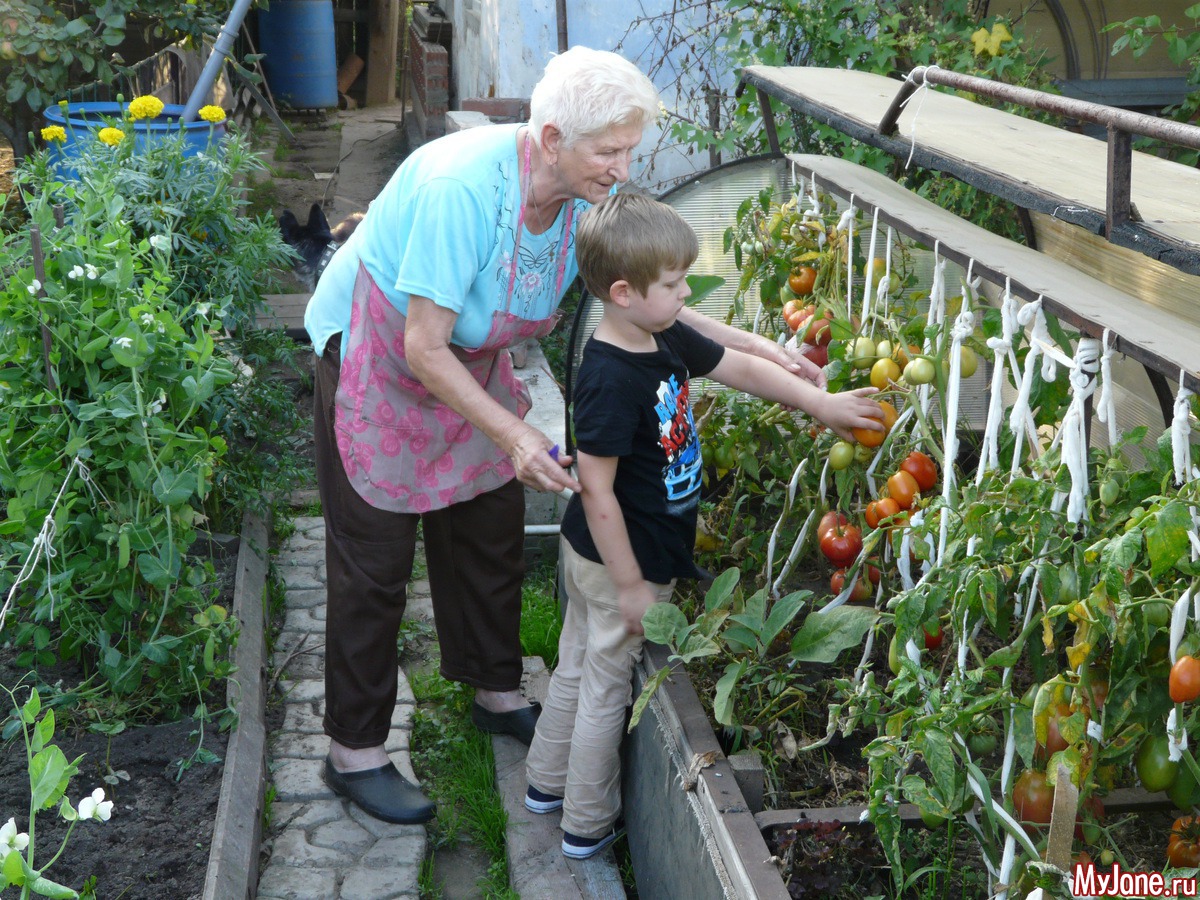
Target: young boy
[{"x": 628, "y": 536}]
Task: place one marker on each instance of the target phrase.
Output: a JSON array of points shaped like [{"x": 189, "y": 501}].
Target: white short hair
[{"x": 586, "y": 92}]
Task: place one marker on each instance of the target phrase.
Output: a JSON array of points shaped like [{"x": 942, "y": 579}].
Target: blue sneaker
[
  {"x": 540, "y": 803},
  {"x": 575, "y": 847}
]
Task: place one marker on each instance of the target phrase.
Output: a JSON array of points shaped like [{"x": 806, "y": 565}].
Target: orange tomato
[
  {"x": 903, "y": 488},
  {"x": 802, "y": 281},
  {"x": 869, "y": 438}
]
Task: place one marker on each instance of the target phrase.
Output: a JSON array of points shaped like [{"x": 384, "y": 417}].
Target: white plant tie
[
  {"x": 1106, "y": 407},
  {"x": 933, "y": 316},
  {"x": 922, "y": 90},
  {"x": 846, "y": 224},
  {"x": 883, "y": 288},
  {"x": 1181, "y": 430},
  {"x": 783, "y": 516},
  {"x": 1074, "y": 425},
  {"x": 1020, "y": 412},
  {"x": 1002, "y": 351},
  {"x": 963, "y": 328},
  {"x": 869, "y": 269}
]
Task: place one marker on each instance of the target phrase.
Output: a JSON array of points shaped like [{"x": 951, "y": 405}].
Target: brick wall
[
  {"x": 499, "y": 109},
  {"x": 429, "y": 84}
]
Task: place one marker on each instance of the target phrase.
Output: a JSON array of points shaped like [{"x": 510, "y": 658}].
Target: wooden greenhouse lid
[
  {"x": 1037, "y": 166},
  {"x": 1154, "y": 336}
]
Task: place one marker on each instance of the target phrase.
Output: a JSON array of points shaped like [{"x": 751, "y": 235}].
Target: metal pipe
[
  {"x": 1122, "y": 119},
  {"x": 560, "y": 15},
  {"x": 212, "y": 67}
]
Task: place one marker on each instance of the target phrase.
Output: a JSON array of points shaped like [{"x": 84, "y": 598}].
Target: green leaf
[
  {"x": 701, "y": 286},
  {"x": 47, "y": 777},
  {"x": 648, "y": 689},
  {"x": 155, "y": 571},
  {"x": 723, "y": 697},
  {"x": 697, "y": 646},
  {"x": 11, "y": 869},
  {"x": 722, "y": 587},
  {"x": 172, "y": 488},
  {"x": 782, "y": 613},
  {"x": 825, "y": 634},
  {"x": 1167, "y": 537},
  {"x": 664, "y": 623},
  {"x": 52, "y": 889},
  {"x": 939, "y": 756}
]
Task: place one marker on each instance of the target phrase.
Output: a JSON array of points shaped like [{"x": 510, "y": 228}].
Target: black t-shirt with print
[{"x": 635, "y": 406}]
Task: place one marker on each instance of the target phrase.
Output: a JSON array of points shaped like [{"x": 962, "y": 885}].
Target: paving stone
[
  {"x": 293, "y": 848},
  {"x": 299, "y": 780},
  {"x": 304, "y": 690},
  {"x": 304, "y": 578},
  {"x": 302, "y": 718},
  {"x": 289, "y": 745},
  {"x": 380, "y": 884},
  {"x": 298, "y": 619},
  {"x": 310, "y": 598},
  {"x": 283, "y": 882},
  {"x": 343, "y": 835},
  {"x": 307, "y": 814}
]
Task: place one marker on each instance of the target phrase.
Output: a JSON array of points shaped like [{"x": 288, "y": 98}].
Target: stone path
[{"x": 327, "y": 847}]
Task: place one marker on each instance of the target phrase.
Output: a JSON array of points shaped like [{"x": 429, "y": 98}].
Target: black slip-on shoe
[
  {"x": 575, "y": 847},
  {"x": 382, "y": 793},
  {"x": 520, "y": 723}
]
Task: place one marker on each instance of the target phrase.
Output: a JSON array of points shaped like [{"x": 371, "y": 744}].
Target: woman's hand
[
  {"x": 851, "y": 409},
  {"x": 793, "y": 360},
  {"x": 529, "y": 451}
]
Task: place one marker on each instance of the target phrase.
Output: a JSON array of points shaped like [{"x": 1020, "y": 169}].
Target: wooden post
[{"x": 381, "y": 51}]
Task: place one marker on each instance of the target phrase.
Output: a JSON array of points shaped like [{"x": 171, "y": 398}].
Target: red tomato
[
  {"x": 818, "y": 331},
  {"x": 818, "y": 356},
  {"x": 922, "y": 469},
  {"x": 1183, "y": 846},
  {"x": 802, "y": 280},
  {"x": 873, "y": 573},
  {"x": 1184, "y": 682},
  {"x": 862, "y": 587},
  {"x": 933, "y": 640},
  {"x": 1033, "y": 798},
  {"x": 830, "y": 521},
  {"x": 1055, "y": 742},
  {"x": 881, "y": 512},
  {"x": 841, "y": 545},
  {"x": 903, "y": 488}
]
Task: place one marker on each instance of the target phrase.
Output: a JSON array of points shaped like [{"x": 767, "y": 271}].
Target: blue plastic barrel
[
  {"x": 297, "y": 40},
  {"x": 82, "y": 122}
]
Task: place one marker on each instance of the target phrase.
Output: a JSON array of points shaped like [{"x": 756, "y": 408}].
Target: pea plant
[{"x": 126, "y": 318}]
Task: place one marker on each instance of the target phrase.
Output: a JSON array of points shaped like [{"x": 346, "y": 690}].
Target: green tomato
[
  {"x": 919, "y": 371},
  {"x": 1155, "y": 770},
  {"x": 1110, "y": 491},
  {"x": 894, "y": 656},
  {"x": 863, "y": 353},
  {"x": 1184, "y": 792},
  {"x": 981, "y": 743},
  {"x": 724, "y": 457},
  {"x": 841, "y": 455},
  {"x": 932, "y": 820}
]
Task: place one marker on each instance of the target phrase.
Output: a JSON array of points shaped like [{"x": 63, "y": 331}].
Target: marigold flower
[
  {"x": 212, "y": 114},
  {"x": 145, "y": 107},
  {"x": 111, "y": 136},
  {"x": 54, "y": 134}
]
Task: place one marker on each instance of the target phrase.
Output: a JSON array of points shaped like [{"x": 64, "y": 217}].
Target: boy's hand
[
  {"x": 633, "y": 603},
  {"x": 852, "y": 409},
  {"x": 791, "y": 359}
]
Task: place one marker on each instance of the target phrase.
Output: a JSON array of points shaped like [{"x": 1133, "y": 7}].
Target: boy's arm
[
  {"x": 841, "y": 412},
  {"x": 754, "y": 345},
  {"x": 611, "y": 537}
]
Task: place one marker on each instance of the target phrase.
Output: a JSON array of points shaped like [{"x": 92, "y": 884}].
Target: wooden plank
[
  {"x": 1034, "y": 165},
  {"x": 1163, "y": 340},
  {"x": 286, "y": 311},
  {"x": 381, "y": 51}
]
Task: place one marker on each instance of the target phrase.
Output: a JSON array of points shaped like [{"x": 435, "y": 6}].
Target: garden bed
[{"x": 160, "y": 841}]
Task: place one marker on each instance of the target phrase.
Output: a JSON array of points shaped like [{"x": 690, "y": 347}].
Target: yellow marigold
[
  {"x": 989, "y": 42},
  {"x": 145, "y": 107},
  {"x": 54, "y": 134},
  {"x": 212, "y": 114},
  {"x": 111, "y": 136}
]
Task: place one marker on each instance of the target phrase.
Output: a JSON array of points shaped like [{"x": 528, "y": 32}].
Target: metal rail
[{"x": 1121, "y": 124}]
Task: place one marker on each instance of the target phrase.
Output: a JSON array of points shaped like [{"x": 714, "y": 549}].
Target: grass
[{"x": 453, "y": 760}]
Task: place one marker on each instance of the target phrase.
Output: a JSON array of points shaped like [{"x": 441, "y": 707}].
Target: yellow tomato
[{"x": 883, "y": 372}]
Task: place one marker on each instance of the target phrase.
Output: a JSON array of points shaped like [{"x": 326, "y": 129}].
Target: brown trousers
[{"x": 475, "y": 555}]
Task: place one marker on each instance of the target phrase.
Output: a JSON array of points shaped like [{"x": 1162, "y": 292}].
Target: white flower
[
  {"x": 124, "y": 342},
  {"x": 34, "y": 287},
  {"x": 160, "y": 242},
  {"x": 203, "y": 309},
  {"x": 148, "y": 318},
  {"x": 76, "y": 272},
  {"x": 10, "y": 838},
  {"x": 92, "y": 272},
  {"x": 160, "y": 404},
  {"x": 95, "y": 806}
]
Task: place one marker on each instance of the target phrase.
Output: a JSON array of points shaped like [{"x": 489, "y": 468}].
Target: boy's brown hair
[{"x": 631, "y": 237}]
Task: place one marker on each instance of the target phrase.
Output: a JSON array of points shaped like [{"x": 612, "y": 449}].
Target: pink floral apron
[{"x": 402, "y": 448}]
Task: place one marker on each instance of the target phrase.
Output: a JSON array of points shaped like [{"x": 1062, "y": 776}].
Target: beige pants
[{"x": 576, "y": 751}]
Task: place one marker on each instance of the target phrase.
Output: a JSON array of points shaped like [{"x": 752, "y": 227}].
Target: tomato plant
[
  {"x": 1183, "y": 844},
  {"x": 841, "y": 455},
  {"x": 933, "y": 634},
  {"x": 862, "y": 586},
  {"x": 903, "y": 488},
  {"x": 1155, "y": 769},
  {"x": 880, "y": 512},
  {"x": 831, "y": 520}
]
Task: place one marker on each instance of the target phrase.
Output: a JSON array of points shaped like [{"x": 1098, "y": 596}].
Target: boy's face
[{"x": 659, "y": 307}]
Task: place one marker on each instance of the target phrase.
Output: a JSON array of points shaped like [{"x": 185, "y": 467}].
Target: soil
[{"x": 156, "y": 844}]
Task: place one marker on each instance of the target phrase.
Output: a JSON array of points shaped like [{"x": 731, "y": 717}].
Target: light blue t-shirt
[{"x": 444, "y": 228}]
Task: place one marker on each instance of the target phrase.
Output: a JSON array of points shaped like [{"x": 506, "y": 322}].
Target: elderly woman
[{"x": 465, "y": 253}]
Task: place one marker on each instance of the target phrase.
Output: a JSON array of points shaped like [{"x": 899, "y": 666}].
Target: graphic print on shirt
[
  {"x": 677, "y": 436},
  {"x": 536, "y": 271}
]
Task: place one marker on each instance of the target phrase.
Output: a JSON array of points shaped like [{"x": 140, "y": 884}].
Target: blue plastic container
[
  {"x": 84, "y": 120},
  {"x": 297, "y": 40}
]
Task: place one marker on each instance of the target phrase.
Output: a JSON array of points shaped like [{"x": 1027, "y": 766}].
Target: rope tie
[
  {"x": 1074, "y": 425},
  {"x": 1002, "y": 349},
  {"x": 922, "y": 90},
  {"x": 846, "y": 224},
  {"x": 1181, "y": 430},
  {"x": 1106, "y": 407},
  {"x": 1020, "y": 412},
  {"x": 963, "y": 328},
  {"x": 870, "y": 265}
]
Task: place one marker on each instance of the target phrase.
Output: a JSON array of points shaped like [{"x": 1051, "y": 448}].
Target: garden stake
[{"x": 39, "y": 272}]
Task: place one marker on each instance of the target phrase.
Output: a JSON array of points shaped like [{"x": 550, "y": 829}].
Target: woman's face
[{"x": 592, "y": 165}]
